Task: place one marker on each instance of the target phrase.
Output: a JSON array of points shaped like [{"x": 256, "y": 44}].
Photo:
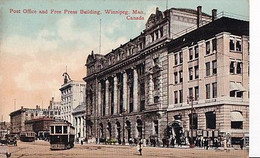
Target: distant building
[
  {"x": 19, "y": 117},
  {"x": 54, "y": 109},
  {"x": 72, "y": 95},
  {"x": 79, "y": 116}
]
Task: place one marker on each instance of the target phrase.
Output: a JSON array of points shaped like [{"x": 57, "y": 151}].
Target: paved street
[{"x": 41, "y": 149}]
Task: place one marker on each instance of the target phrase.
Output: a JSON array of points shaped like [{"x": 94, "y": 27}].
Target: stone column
[
  {"x": 81, "y": 126},
  {"x": 99, "y": 100},
  {"x": 135, "y": 90},
  {"x": 124, "y": 91},
  {"x": 115, "y": 96},
  {"x": 107, "y": 96},
  {"x": 150, "y": 89}
]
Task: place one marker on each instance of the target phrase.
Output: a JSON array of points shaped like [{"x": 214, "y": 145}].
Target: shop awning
[
  {"x": 233, "y": 86},
  {"x": 240, "y": 87},
  {"x": 236, "y": 87},
  {"x": 236, "y": 116}
]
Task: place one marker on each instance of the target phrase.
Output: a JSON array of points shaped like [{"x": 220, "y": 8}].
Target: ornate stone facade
[{"x": 127, "y": 89}]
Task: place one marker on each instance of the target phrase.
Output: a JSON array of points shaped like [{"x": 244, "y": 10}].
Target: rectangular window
[
  {"x": 214, "y": 67},
  {"x": 210, "y": 120},
  {"x": 196, "y": 51},
  {"x": 207, "y": 47},
  {"x": 156, "y": 61},
  {"x": 52, "y": 129},
  {"x": 232, "y": 93},
  {"x": 175, "y": 77},
  {"x": 181, "y": 57},
  {"x": 237, "y": 124},
  {"x": 207, "y": 68},
  {"x": 191, "y": 53},
  {"x": 58, "y": 129},
  {"x": 65, "y": 129},
  {"x": 207, "y": 91},
  {"x": 238, "y": 46},
  {"x": 196, "y": 93},
  {"x": 214, "y": 88},
  {"x": 175, "y": 97},
  {"x": 181, "y": 78},
  {"x": 176, "y": 59},
  {"x": 196, "y": 71},
  {"x": 214, "y": 44},
  {"x": 181, "y": 96},
  {"x": 190, "y": 73},
  {"x": 240, "y": 94},
  {"x": 156, "y": 99},
  {"x": 239, "y": 67},
  {"x": 190, "y": 92},
  {"x": 194, "y": 122},
  {"x": 231, "y": 44},
  {"x": 232, "y": 67}
]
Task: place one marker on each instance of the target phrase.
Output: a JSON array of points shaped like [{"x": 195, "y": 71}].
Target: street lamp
[{"x": 191, "y": 99}]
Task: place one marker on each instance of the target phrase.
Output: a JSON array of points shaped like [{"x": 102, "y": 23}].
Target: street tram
[
  {"x": 62, "y": 135},
  {"x": 27, "y": 136}
]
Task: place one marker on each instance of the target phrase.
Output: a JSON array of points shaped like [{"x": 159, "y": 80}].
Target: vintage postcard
[{"x": 150, "y": 78}]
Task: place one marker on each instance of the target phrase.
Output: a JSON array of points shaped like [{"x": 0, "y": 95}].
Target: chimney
[
  {"x": 199, "y": 16},
  {"x": 214, "y": 14}
]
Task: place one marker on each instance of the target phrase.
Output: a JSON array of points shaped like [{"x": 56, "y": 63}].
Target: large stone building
[
  {"x": 72, "y": 95},
  {"x": 132, "y": 90},
  {"x": 54, "y": 109}
]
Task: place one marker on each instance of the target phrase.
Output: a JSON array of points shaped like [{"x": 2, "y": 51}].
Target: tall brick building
[{"x": 132, "y": 91}]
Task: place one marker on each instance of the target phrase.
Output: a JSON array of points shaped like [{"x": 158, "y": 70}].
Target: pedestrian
[
  {"x": 81, "y": 142},
  {"x": 172, "y": 142},
  {"x": 216, "y": 143},
  {"x": 241, "y": 143},
  {"x": 225, "y": 144},
  {"x": 206, "y": 143},
  {"x": 139, "y": 147}
]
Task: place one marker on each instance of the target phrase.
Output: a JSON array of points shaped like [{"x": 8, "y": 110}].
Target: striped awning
[{"x": 236, "y": 116}]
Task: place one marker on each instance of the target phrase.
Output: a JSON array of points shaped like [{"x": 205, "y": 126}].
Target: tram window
[
  {"x": 65, "y": 129},
  {"x": 58, "y": 129},
  {"x": 52, "y": 129}
]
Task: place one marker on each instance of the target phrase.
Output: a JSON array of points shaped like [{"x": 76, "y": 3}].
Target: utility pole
[{"x": 190, "y": 100}]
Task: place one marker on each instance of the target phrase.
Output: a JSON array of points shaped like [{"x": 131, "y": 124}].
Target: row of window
[
  {"x": 156, "y": 34},
  {"x": 194, "y": 52},
  {"x": 194, "y": 91}
]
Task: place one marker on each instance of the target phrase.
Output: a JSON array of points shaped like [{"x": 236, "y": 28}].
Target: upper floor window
[
  {"x": 181, "y": 77},
  {"x": 196, "y": 51},
  {"x": 214, "y": 90},
  {"x": 214, "y": 67},
  {"x": 207, "y": 68},
  {"x": 190, "y": 53},
  {"x": 161, "y": 32},
  {"x": 175, "y": 77},
  {"x": 190, "y": 73},
  {"x": 176, "y": 58},
  {"x": 190, "y": 92},
  {"x": 156, "y": 61},
  {"x": 232, "y": 67},
  {"x": 196, "y": 71},
  {"x": 238, "y": 45},
  {"x": 207, "y": 91},
  {"x": 239, "y": 67},
  {"x": 181, "y": 57},
  {"x": 214, "y": 44},
  {"x": 175, "y": 97},
  {"x": 196, "y": 93},
  {"x": 181, "y": 96},
  {"x": 231, "y": 44},
  {"x": 207, "y": 47}
]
